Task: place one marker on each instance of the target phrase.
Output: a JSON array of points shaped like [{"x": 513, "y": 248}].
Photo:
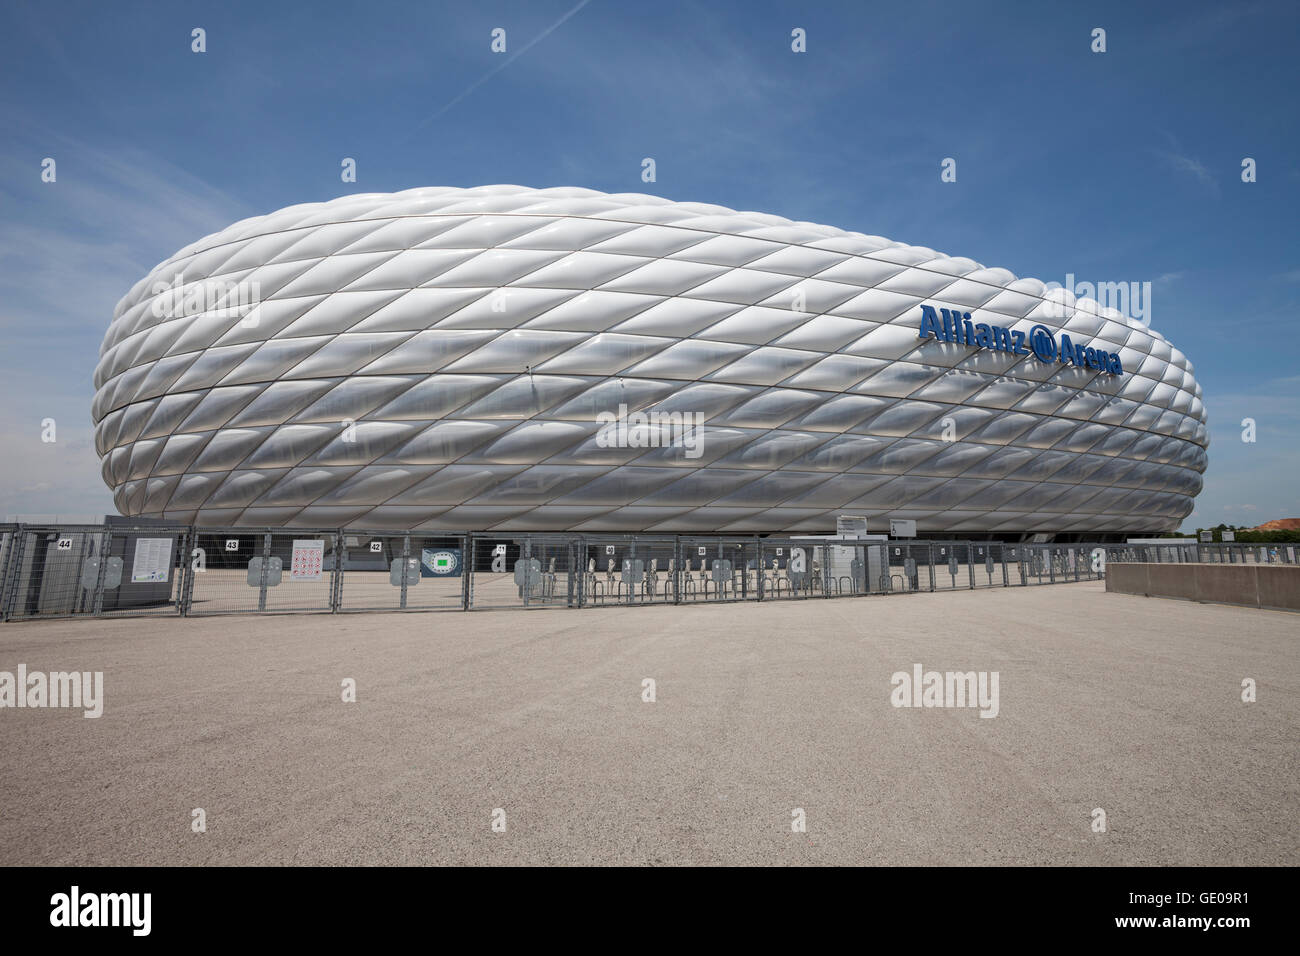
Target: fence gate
[
  {"x": 910, "y": 567},
  {"x": 47, "y": 571},
  {"x": 628, "y": 569},
  {"x": 718, "y": 569},
  {"x": 951, "y": 568},
  {"x": 1033, "y": 564},
  {"x": 141, "y": 570},
  {"x": 1091, "y": 562},
  {"x": 987, "y": 569},
  {"x": 244, "y": 570},
  {"x": 511, "y": 570},
  {"x": 400, "y": 571},
  {"x": 788, "y": 569},
  {"x": 444, "y": 583}
]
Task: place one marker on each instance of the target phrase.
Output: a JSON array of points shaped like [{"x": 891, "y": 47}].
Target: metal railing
[{"x": 159, "y": 569}]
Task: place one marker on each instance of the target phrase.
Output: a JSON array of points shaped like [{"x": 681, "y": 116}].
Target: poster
[
  {"x": 440, "y": 562},
  {"x": 308, "y": 559},
  {"x": 153, "y": 559}
]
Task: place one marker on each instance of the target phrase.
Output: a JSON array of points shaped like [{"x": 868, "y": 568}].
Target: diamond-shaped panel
[{"x": 445, "y": 357}]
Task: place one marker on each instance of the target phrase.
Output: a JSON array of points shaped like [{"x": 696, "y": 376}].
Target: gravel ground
[{"x": 1128, "y": 704}]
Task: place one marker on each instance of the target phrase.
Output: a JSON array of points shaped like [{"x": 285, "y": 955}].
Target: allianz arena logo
[
  {"x": 949, "y": 325},
  {"x": 652, "y": 430}
]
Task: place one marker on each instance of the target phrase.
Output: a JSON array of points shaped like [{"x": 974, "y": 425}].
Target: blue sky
[{"x": 1119, "y": 166}]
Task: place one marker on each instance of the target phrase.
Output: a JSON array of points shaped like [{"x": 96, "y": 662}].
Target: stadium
[{"x": 508, "y": 359}]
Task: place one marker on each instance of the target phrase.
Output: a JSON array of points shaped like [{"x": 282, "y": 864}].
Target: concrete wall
[{"x": 1252, "y": 585}]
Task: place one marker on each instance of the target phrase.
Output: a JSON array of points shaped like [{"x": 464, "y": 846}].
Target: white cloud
[{"x": 69, "y": 250}]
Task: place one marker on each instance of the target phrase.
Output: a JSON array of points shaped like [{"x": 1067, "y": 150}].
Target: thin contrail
[{"x": 493, "y": 72}]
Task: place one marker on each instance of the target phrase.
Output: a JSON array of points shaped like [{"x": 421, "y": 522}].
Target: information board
[
  {"x": 902, "y": 528},
  {"x": 153, "y": 559},
  {"x": 308, "y": 559}
]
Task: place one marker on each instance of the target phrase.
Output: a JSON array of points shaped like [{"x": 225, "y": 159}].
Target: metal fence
[
  {"x": 1239, "y": 552},
  {"x": 123, "y": 569},
  {"x": 100, "y": 570}
]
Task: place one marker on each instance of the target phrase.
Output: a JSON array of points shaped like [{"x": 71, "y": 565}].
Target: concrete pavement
[{"x": 1110, "y": 701}]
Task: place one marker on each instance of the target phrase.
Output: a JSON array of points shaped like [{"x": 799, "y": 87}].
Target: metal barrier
[
  {"x": 630, "y": 569},
  {"x": 244, "y": 570},
  {"x": 93, "y": 570},
  {"x": 909, "y": 563},
  {"x": 8, "y": 539},
  {"x": 531, "y": 571},
  {"x": 1034, "y": 565},
  {"x": 401, "y": 571},
  {"x": 793, "y": 569},
  {"x": 727, "y": 568},
  {"x": 1243, "y": 553},
  {"x": 155, "y": 572},
  {"x": 49, "y": 571}
]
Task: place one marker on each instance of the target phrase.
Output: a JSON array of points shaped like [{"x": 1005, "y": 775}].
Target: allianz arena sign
[
  {"x": 502, "y": 358},
  {"x": 957, "y": 327}
]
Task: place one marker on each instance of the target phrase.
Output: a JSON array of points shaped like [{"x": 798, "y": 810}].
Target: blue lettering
[
  {"x": 955, "y": 326},
  {"x": 1067, "y": 350},
  {"x": 930, "y": 323},
  {"x": 949, "y": 326}
]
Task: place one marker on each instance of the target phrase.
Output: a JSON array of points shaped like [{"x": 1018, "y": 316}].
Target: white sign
[
  {"x": 1207, "y": 536},
  {"x": 65, "y": 544},
  {"x": 232, "y": 544},
  {"x": 902, "y": 528},
  {"x": 609, "y": 549},
  {"x": 308, "y": 559},
  {"x": 376, "y": 547},
  {"x": 703, "y": 551},
  {"x": 153, "y": 559},
  {"x": 850, "y": 526},
  {"x": 1229, "y": 536}
]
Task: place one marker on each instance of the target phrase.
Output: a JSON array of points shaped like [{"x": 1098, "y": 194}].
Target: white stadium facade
[{"x": 503, "y": 358}]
